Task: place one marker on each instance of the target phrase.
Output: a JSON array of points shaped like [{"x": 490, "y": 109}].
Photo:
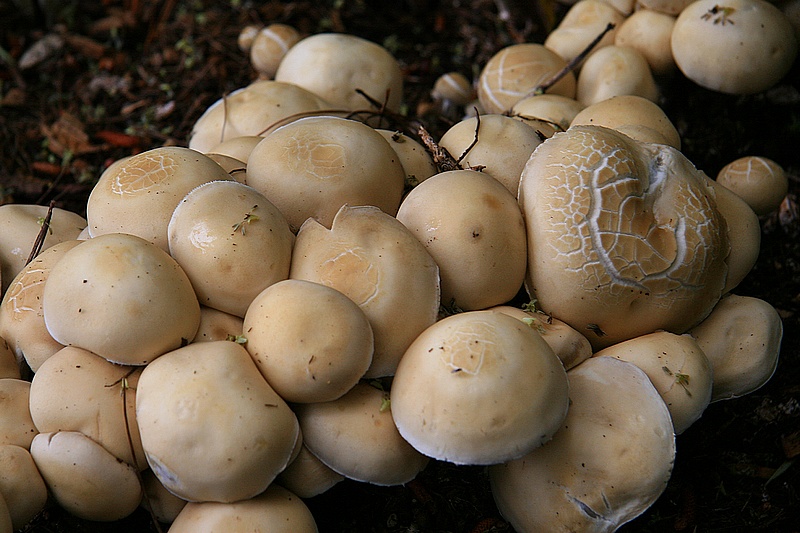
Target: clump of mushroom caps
[{"x": 299, "y": 297}]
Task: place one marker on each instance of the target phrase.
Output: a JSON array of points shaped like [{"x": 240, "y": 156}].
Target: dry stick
[
  {"x": 569, "y": 67},
  {"x": 39, "y": 242}
]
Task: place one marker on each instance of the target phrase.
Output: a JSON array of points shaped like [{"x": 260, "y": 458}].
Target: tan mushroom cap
[
  {"x": 479, "y": 387},
  {"x": 583, "y": 22},
  {"x": 472, "y": 227},
  {"x": 231, "y": 242},
  {"x": 21, "y": 315},
  {"x": 503, "y": 146},
  {"x": 237, "y": 170},
  {"x": 377, "y": 262},
  {"x": 276, "y": 510},
  {"x": 670, "y": 7},
  {"x": 417, "y": 162},
  {"x": 678, "y": 368},
  {"x": 742, "y": 339},
  {"x": 246, "y": 37},
  {"x": 269, "y": 47},
  {"x": 139, "y": 195},
  {"x": 164, "y": 505},
  {"x": 84, "y": 478},
  {"x": 334, "y": 65},
  {"x": 121, "y": 297},
  {"x": 624, "y": 238},
  {"x": 649, "y": 32},
  {"x": 613, "y": 71},
  {"x": 307, "y": 476},
  {"x": 313, "y": 166},
  {"x": 252, "y": 110},
  {"x": 238, "y": 148},
  {"x": 547, "y": 113},
  {"x": 212, "y": 428},
  {"x": 515, "y": 71},
  {"x": 217, "y": 325},
  {"x": 76, "y": 390},
  {"x": 607, "y": 464},
  {"x": 356, "y": 437},
  {"x": 16, "y": 423},
  {"x": 741, "y": 47},
  {"x": 759, "y": 181},
  {"x": 309, "y": 341},
  {"x": 454, "y": 88},
  {"x": 21, "y": 485},
  {"x": 6, "y": 523},
  {"x": 20, "y": 224},
  {"x": 9, "y": 366}
]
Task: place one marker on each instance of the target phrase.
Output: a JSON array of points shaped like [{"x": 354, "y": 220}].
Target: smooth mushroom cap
[
  {"x": 307, "y": 476},
  {"x": 335, "y": 66},
  {"x": 547, "y": 113},
  {"x": 607, "y": 464},
  {"x": 21, "y": 485},
  {"x": 21, "y": 315},
  {"x": 270, "y": 46},
  {"x": 76, "y": 390},
  {"x": 20, "y": 224},
  {"x": 207, "y": 404},
  {"x": 417, "y": 162},
  {"x": 217, "y": 325},
  {"x": 231, "y": 242},
  {"x": 276, "y": 510},
  {"x": 624, "y": 112},
  {"x": 678, "y": 368},
  {"x": 377, "y": 262},
  {"x": 503, "y": 146},
  {"x": 313, "y": 166},
  {"x": 237, "y": 170},
  {"x": 121, "y": 297},
  {"x": 742, "y": 339},
  {"x": 164, "y": 505},
  {"x": 309, "y": 341},
  {"x": 9, "y": 366},
  {"x": 246, "y": 37},
  {"x": 454, "y": 88},
  {"x": 759, "y": 181},
  {"x": 515, "y": 71},
  {"x": 139, "y": 195},
  {"x": 583, "y": 22},
  {"x": 624, "y": 238},
  {"x": 472, "y": 227},
  {"x": 669, "y": 7},
  {"x": 356, "y": 436},
  {"x": 238, "y": 148},
  {"x": 6, "y": 523},
  {"x": 16, "y": 424},
  {"x": 479, "y": 387},
  {"x": 649, "y": 32},
  {"x": 84, "y": 478},
  {"x": 613, "y": 71},
  {"x": 741, "y": 47}
]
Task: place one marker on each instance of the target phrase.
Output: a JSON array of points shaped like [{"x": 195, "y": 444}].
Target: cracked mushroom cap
[
  {"x": 759, "y": 181},
  {"x": 479, "y": 387},
  {"x": 624, "y": 238},
  {"x": 611, "y": 459}
]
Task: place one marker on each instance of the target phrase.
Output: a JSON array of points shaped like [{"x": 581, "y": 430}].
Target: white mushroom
[
  {"x": 307, "y": 476},
  {"x": 21, "y": 485},
  {"x": 417, "y": 162},
  {"x": 613, "y": 71},
  {"x": 649, "y": 32},
  {"x": 583, "y": 23},
  {"x": 547, "y": 113},
  {"x": 270, "y": 46}
]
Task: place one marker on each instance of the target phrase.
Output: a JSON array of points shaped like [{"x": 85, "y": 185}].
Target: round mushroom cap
[
  {"x": 514, "y": 73},
  {"x": 669, "y": 7},
  {"x": 207, "y": 404},
  {"x": 759, "y": 181},
  {"x": 649, "y": 32},
  {"x": 217, "y": 325},
  {"x": 269, "y": 47},
  {"x": 741, "y": 47},
  {"x": 16, "y": 424},
  {"x": 276, "y": 510},
  {"x": 21, "y": 485},
  {"x": 356, "y": 436},
  {"x": 76, "y": 390},
  {"x": 335, "y": 66},
  {"x": 742, "y": 339},
  {"x": 309, "y": 341},
  {"x": 231, "y": 242},
  {"x": 613, "y": 71},
  {"x": 246, "y": 37},
  {"x": 624, "y": 238},
  {"x": 307, "y": 476},
  {"x": 453, "y": 87},
  {"x": 678, "y": 368},
  {"x": 607, "y": 464},
  {"x": 377, "y": 262},
  {"x": 583, "y": 22},
  {"x": 238, "y": 148},
  {"x": 472, "y": 227},
  {"x": 497, "y": 144},
  {"x": 313, "y": 166},
  {"x": 139, "y": 195},
  {"x": 547, "y": 113},
  {"x": 84, "y": 478},
  {"x": 479, "y": 387},
  {"x": 121, "y": 297},
  {"x": 417, "y": 162}
]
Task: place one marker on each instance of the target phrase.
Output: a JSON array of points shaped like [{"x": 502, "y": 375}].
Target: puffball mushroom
[
  {"x": 759, "y": 181},
  {"x": 417, "y": 162},
  {"x": 583, "y": 22},
  {"x": 121, "y": 297},
  {"x": 16, "y": 424},
  {"x": 164, "y": 505},
  {"x": 84, "y": 478},
  {"x": 216, "y": 325},
  {"x": 356, "y": 436},
  {"x": 212, "y": 428},
  {"x": 546, "y": 113},
  {"x": 677, "y": 367},
  {"x": 613, "y": 71},
  {"x": 9, "y": 367},
  {"x": 377, "y": 262},
  {"x": 21, "y": 485},
  {"x": 472, "y": 227},
  {"x": 231, "y": 242},
  {"x": 139, "y": 195},
  {"x": 334, "y": 65},
  {"x": 479, "y": 387},
  {"x": 453, "y": 88},
  {"x": 649, "y": 32},
  {"x": 624, "y": 238},
  {"x": 741, "y": 338},
  {"x": 515, "y": 71},
  {"x": 313, "y": 166},
  {"x": 309, "y": 341},
  {"x": 736, "y": 47},
  {"x": 307, "y": 476},
  {"x": 269, "y": 47},
  {"x": 610, "y": 460}
]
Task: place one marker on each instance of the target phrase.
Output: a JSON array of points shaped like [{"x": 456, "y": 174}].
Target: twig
[{"x": 39, "y": 242}]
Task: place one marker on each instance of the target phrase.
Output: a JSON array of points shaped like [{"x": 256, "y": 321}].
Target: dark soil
[{"x": 132, "y": 75}]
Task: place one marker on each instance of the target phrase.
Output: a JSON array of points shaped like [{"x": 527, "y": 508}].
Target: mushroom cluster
[{"x": 301, "y": 297}]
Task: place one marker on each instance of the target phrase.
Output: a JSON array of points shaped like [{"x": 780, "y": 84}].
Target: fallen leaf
[
  {"x": 67, "y": 134},
  {"x": 42, "y": 49}
]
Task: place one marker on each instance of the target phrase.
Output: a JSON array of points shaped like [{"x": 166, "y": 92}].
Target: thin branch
[{"x": 39, "y": 242}]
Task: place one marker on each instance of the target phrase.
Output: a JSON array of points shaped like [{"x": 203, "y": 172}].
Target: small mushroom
[
  {"x": 238, "y": 148},
  {"x": 759, "y": 181},
  {"x": 649, "y": 32},
  {"x": 547, "y": 113},
  {"x": 583, "y": 23},
  {"x": 21, "y": 485},
  {"x": 307, "y": 476},
  {"x": 613, "y": 71},
  {"x": 246, "y": 37},
  {"x": 217, "y": 325},
  {"x": 270, "y": 46},
  {"x": 417, "y": 162}
]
